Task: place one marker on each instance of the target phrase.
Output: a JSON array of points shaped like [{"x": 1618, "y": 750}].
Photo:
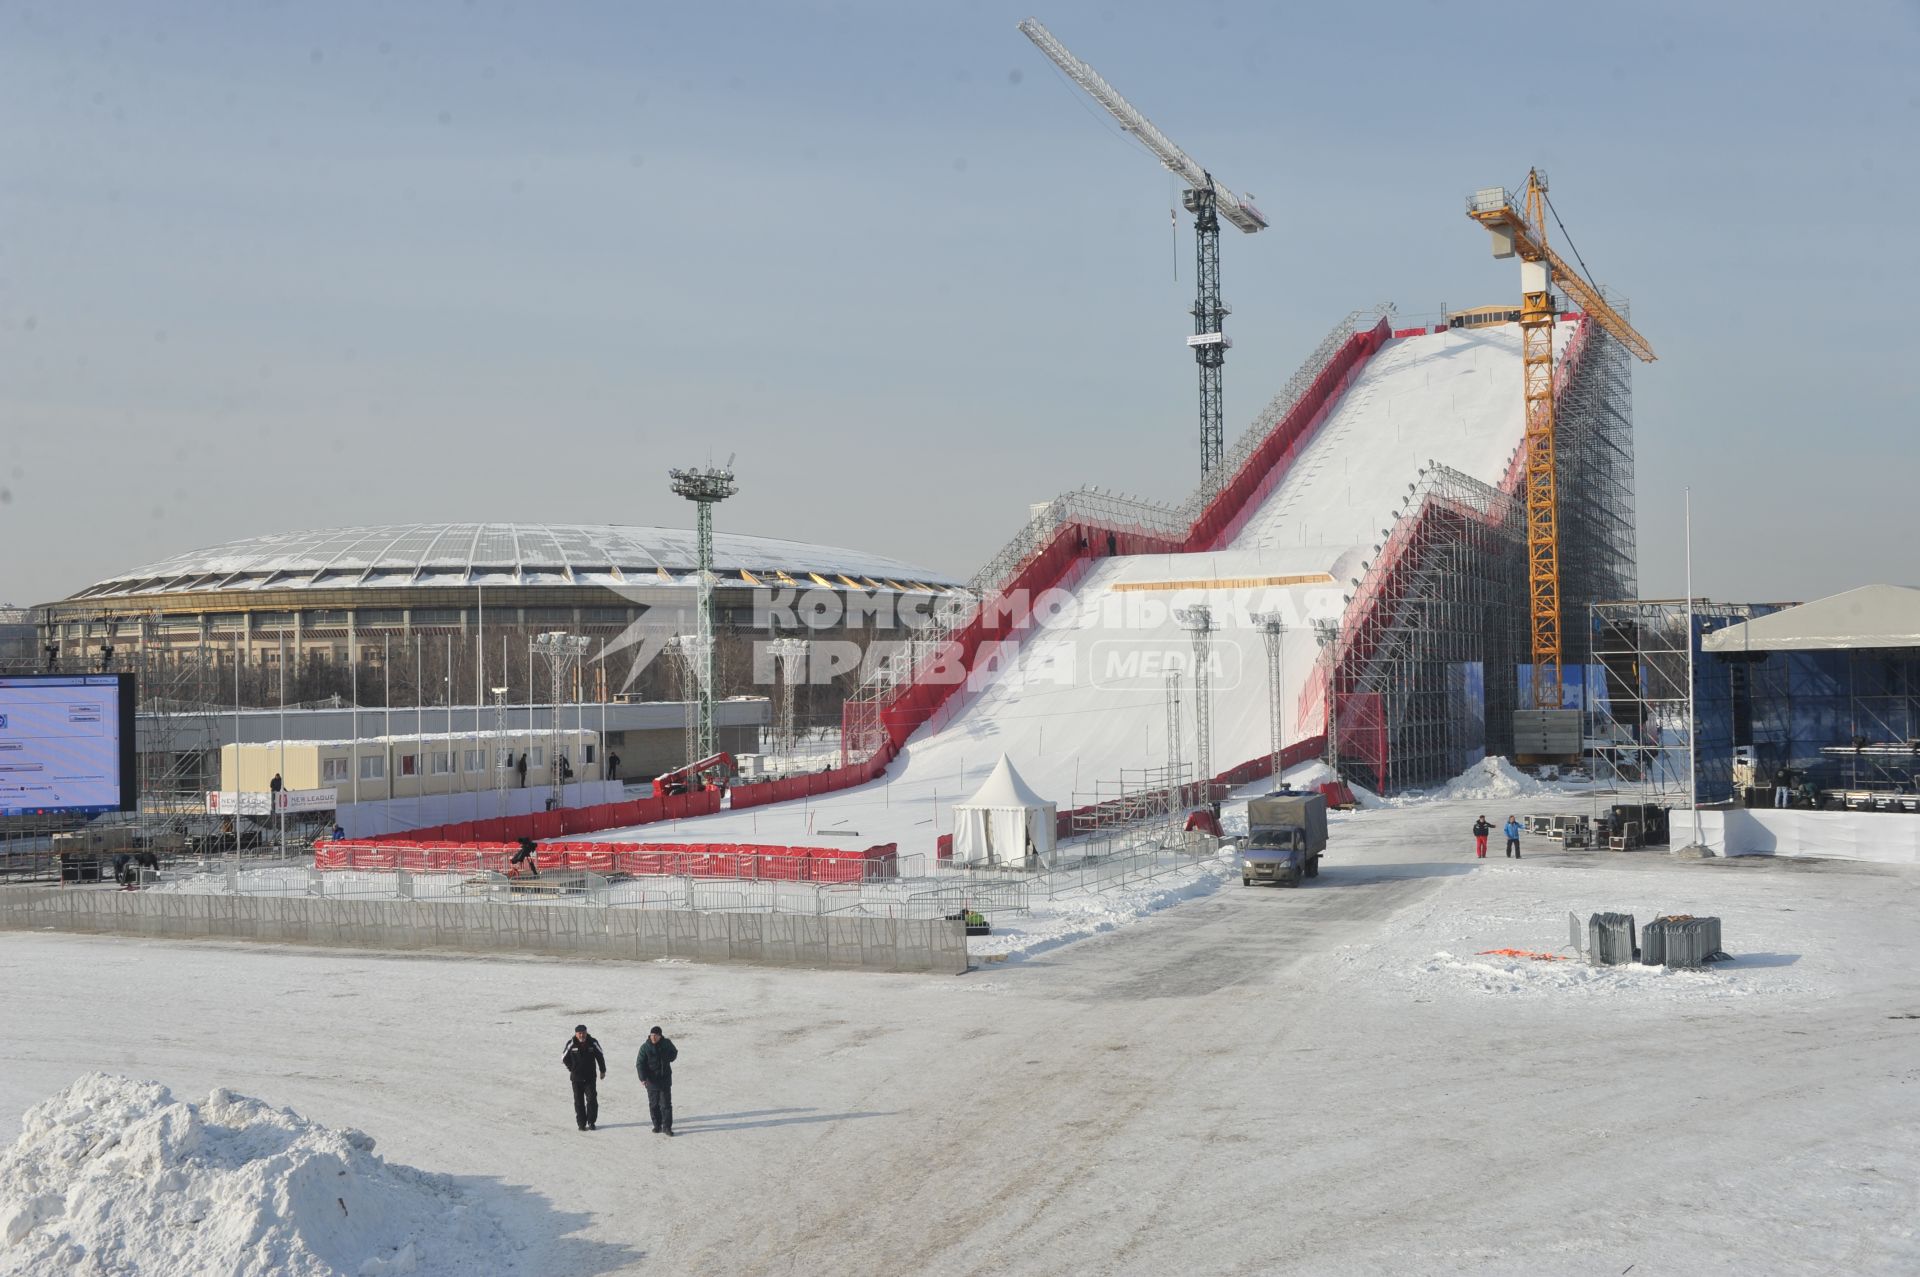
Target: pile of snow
[
  {"x": 1492, "y": 778},
  {"x": 114, "y": 1175}
]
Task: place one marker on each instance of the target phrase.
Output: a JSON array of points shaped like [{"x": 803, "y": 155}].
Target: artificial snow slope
[{"x": 1083, "y": 701}]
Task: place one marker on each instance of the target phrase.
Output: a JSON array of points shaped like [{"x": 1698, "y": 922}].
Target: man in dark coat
[
  {"x": 521, "y": 768},
  {"x": 1480, "y": 831},
  {"x": 655, "y": 1063},
  {"x": 583, "y": 1060},
  {"x": 527, "y": 855}
]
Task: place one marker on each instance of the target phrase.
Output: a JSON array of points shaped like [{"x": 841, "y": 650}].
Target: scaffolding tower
[
  {"x": 792, "y": 656},
  {"x": 1647, "y": 723},
  {"x": 692, "y": 661},
  {"x": 1273, "y": 629},
  {"x": 1199, "y": 624},
  {"x": 561, "y": 653},
  {"x": 1594, "y": 445},
  {"x": 1419, "y": 671}
]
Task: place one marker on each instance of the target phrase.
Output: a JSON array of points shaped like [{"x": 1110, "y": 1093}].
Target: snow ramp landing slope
[{"x": 1082, "y": 699}]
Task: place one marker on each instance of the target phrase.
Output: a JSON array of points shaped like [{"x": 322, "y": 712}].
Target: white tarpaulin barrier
[
  {"x": 1890, "y": 838},
  {"x": 1005, "y": 823}
]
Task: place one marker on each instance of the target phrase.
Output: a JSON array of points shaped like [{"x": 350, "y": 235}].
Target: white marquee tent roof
[
  {"x": 1869, "y": 617},
  {"x": 1005, "y": 791}
]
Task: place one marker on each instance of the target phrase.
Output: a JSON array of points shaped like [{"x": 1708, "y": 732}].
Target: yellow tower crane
[{"x": 1521, "y": 230}]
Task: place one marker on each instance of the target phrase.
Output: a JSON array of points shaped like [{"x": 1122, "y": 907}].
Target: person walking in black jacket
[
  {"x": 583, "y": 1059},
  {"x": 1480, "y": 831},
  {"x": 655, "y": 1064}
]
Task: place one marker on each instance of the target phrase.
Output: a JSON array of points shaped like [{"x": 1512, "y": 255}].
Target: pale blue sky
[{"x": 270, "y": 266}]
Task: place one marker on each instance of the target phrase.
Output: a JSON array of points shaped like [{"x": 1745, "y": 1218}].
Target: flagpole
[
  {"x": 1693, "y": 721},
  {"x": 283, "y": 744}
]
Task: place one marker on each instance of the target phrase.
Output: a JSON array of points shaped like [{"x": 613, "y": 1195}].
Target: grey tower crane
[{"x": 1208, "y": 201}]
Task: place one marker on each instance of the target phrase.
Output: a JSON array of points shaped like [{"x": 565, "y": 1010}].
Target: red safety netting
[{"x": 699, "y": 860}]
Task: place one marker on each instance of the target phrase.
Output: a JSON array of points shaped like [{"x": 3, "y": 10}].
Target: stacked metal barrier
[
  {"x": 1610, "y": 939},
  {"x": 1680, "y": 942}
]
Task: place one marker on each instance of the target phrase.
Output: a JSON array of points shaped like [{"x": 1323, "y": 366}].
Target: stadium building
[{"x": 454, "y": 592}]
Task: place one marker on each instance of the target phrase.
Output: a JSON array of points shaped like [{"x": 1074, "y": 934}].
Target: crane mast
[
  {"x": 1209, "y": 202},
  {"x": 1521, "y": 231}
]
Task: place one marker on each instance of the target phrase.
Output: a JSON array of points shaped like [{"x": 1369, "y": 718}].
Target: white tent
[{"x": 1005, "y": 823}]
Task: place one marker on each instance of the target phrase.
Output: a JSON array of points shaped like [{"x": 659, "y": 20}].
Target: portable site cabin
[{"x": 1005, "y": 823}]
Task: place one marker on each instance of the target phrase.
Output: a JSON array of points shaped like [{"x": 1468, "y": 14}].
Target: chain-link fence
[{"x": 913, "y": 886}]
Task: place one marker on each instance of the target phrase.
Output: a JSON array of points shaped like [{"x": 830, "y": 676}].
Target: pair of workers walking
[
  {"x": 587, "y": 1066},
  {"x": 1481, "y": 829}
]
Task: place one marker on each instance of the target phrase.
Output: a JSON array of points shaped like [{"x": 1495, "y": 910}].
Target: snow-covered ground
[{"x": 1332, "y": 1079}]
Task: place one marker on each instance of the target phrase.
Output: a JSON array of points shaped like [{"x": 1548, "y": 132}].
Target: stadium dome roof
[{"x": 441, "y": 555}]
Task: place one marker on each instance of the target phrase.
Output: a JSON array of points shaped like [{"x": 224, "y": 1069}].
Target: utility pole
[{"x": 1176, "y": 780}]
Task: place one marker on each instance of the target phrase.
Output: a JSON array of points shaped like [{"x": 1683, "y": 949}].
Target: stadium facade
[{"x": 454, "y": 601}]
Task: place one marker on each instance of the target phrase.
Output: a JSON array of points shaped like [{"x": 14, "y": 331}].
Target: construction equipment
[
  {"x": 1208, "y": 201},
  {"x": 1522, "y": 231}
]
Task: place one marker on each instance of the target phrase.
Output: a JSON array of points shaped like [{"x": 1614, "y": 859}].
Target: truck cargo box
[{"x": 1282, "y": 808}]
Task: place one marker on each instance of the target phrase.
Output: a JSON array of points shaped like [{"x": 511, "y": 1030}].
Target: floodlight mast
[
  {"x": 1273, "y": 629},
  {"x": 706, "y": 489},
  {"x": 1208, "y": 201}
]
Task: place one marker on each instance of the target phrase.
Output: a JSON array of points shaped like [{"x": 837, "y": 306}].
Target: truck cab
[{"x": 1278, "y": 856}]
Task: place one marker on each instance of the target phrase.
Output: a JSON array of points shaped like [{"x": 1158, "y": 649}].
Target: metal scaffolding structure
[
  {"x": 561, "y": 652},
  {"x": 1418, "y": 672},
  {"x": 176, "y": 705},
  {"x": 1643, "y": 729},
  {"x": 1595, "y": 453},
  {"x": 1143, "y": 803},
  {"x": 1199, "y": 623},
  {"x": 791, "y": 653},
  {"x": 1419, "y": 677},
  {"x": 1834, "y": 727},
  {"x": 692, "y": 660},
  {"x": 1273, "y": 628}
]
